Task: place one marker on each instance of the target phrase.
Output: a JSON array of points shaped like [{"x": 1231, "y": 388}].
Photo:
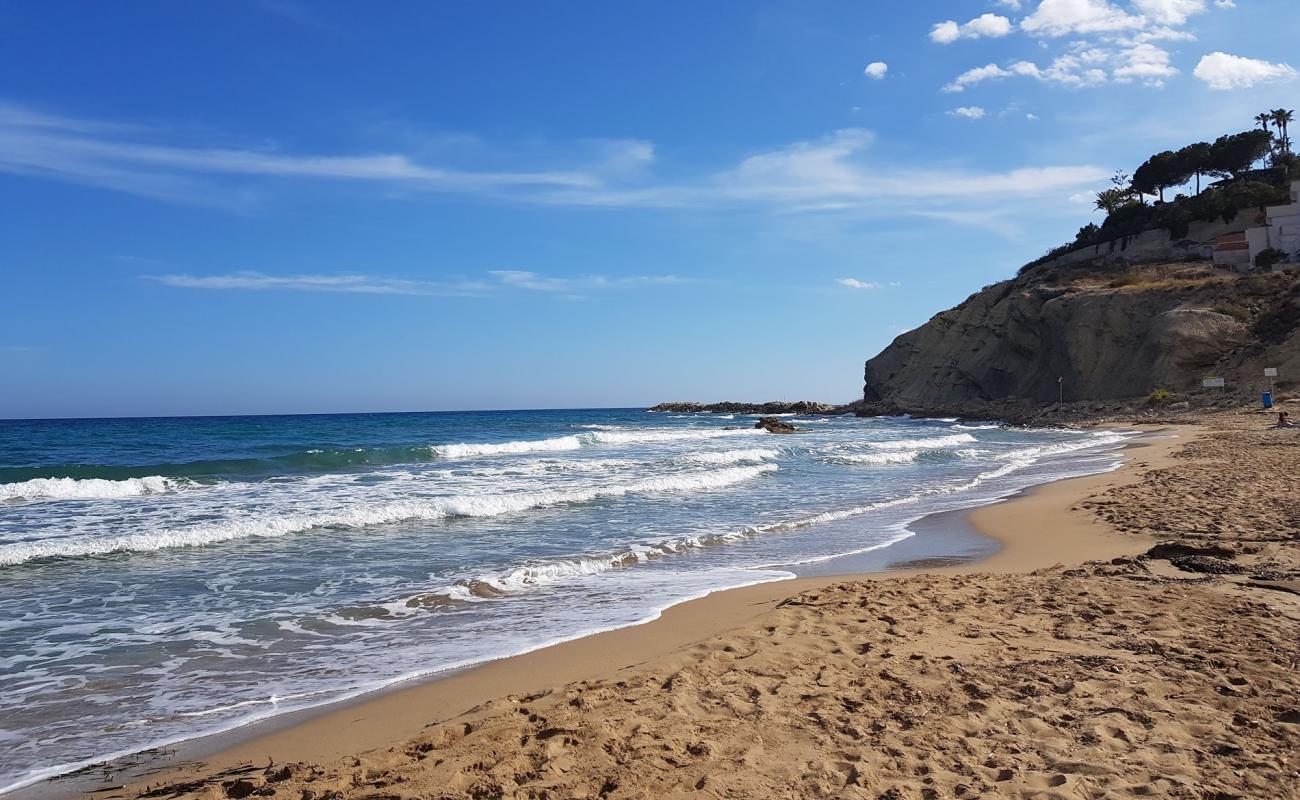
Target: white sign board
[
  {"x": 1211, "y": 383},
  {"x": 1270, "y": 372}
]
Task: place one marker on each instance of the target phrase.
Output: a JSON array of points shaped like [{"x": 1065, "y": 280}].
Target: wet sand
[{"x": 1060, "y": 665}]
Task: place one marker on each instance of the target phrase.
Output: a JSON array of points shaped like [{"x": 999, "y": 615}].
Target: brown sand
[{"x": 1031, "y": 674}]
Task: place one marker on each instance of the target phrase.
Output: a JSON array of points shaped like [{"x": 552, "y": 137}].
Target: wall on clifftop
[
  {"x": 1105, "y": 340},
  {"x": 1156, "y": 246}
]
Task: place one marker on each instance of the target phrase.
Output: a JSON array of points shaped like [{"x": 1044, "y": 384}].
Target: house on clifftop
[{"x": 1280, "y": 231}]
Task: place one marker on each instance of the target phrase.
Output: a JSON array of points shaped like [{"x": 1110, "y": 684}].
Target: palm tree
[
  {"x": 1264, "y": 119},
  {"x": 1281, "y": 118}
]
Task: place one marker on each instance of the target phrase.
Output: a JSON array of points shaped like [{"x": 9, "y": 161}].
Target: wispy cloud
[
  {"x": 834, "y": 173},
  {"x": 297, "y": 13},
  {"x": 360, "y": 283},
  {"x": 127, "y": 159},
  {"x": 830, "y": 174},
  {"x": 355, "y": 284},
  {"x": 519, "y": 279}
]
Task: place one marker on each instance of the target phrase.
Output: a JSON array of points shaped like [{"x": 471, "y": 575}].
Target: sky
[{"x": 282, "y": 206}]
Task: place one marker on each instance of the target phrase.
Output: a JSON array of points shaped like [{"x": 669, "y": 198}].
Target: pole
[{"x": 1060, "y": 390}]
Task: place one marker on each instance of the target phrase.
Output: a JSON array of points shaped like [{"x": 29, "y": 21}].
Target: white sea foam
[
  {"x": 883, "y": 457},
  {"x": 507, "y": 448},
  {"x": 543, "y": 572},
  {"x": 832, "y": 516},
  {"x": 90, "y": 488},
  {"x": 485, "y": 505},
  {"x": 1096, "y": 439},
  {"x": 598, "y": 435},
  {"x": 748, "y": 456},
  {"x": 932, "y": 443},
  {"x": 657, "y": 436}
]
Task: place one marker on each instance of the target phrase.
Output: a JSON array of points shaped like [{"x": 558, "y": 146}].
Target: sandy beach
[{"x": 1068, "y": 664}]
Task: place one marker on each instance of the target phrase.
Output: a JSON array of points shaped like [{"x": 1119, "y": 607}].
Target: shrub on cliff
[
  {"x": 1265, "y": 259},
  {"x": 1159, "y": 397}
]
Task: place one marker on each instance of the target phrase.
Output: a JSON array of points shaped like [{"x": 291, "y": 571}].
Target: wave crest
[
  {"x": 507, "y": 448},
  {"x": 883, "y": 457},
  {"x": 932, "y": 443},
  {"x": 90, "y": 488},
  {"x": 434, "y": 509},
  {"x": 749, "y": 456}
]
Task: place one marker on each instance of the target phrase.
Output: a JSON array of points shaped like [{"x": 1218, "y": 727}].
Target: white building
[{"x": 1281, "y": 229}]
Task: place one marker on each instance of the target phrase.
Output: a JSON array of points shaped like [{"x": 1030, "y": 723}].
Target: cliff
[{"x": 1104, "y": 335}]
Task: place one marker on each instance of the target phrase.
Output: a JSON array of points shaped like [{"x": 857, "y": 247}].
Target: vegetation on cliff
[{"x": 1230, "y": 158}]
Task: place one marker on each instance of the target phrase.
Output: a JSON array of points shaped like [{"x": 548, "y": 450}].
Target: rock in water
[{"x": 774, "y": 425}]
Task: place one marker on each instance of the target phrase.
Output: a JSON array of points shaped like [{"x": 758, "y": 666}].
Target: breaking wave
[
  {"x": 883, "y": 457},
  {"x": 361, "y": 517},
  {"x": 90, "y": 488},
  {"x": 507, "y": 448},
  {"x": 608, "y": 434},
  {"x": 933, "y": 443},
  {"x": 752, "y": 455}
]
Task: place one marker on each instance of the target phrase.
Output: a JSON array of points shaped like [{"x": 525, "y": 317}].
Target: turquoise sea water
[{"x": 166, "y": 578}]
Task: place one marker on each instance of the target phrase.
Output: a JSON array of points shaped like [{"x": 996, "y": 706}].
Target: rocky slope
[{"x": 1103, "y": 336}]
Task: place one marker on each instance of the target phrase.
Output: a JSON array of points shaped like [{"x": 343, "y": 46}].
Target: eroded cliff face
[{"x": 1105, "y": 337}]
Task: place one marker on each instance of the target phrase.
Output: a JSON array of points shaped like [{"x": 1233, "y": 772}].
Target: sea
[{"x": 167, "y": 578}]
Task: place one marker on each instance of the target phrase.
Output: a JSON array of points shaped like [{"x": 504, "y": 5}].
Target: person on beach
[{"x": 1283, "y": 420}]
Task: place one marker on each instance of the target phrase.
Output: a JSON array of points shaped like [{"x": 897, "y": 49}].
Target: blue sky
[{"x": 265, "y": 206}]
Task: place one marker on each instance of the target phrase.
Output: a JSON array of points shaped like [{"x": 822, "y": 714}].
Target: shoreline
[{"x": 394, "y": 714}]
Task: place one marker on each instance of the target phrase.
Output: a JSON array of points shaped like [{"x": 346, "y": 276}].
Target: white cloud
[
  {"x": 991, "y": 25},
  {"x": 1146, "y": 63},
  {"x": 968, "y": 112},
  {"x": 988, "y": 72},
  {"x": 945, "y": 32},
  {"x": 985, "y": 25},
  {"x": 1104, "y": 40},
  {"x": 1014, "y": 5},
  {"x": 1159, "y": 33},
  {"x": 1086, "y": 67},
  {"x": 1169, "y": 12},
  {"x": 1057, "y": 18},
  {"x": 876, "y": 70},
  {"x": 854, "y": 283},
  {"x": 1224, "y": 71}
]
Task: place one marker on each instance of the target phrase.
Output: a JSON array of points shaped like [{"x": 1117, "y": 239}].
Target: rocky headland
[{"x": 1079, "y": 340}]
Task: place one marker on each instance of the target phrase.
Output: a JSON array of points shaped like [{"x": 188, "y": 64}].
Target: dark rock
[
  {"x": 1171, "y": 550},
  {"x": 774, "y": 425},
  {"x": 1205, "y": 565}
]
